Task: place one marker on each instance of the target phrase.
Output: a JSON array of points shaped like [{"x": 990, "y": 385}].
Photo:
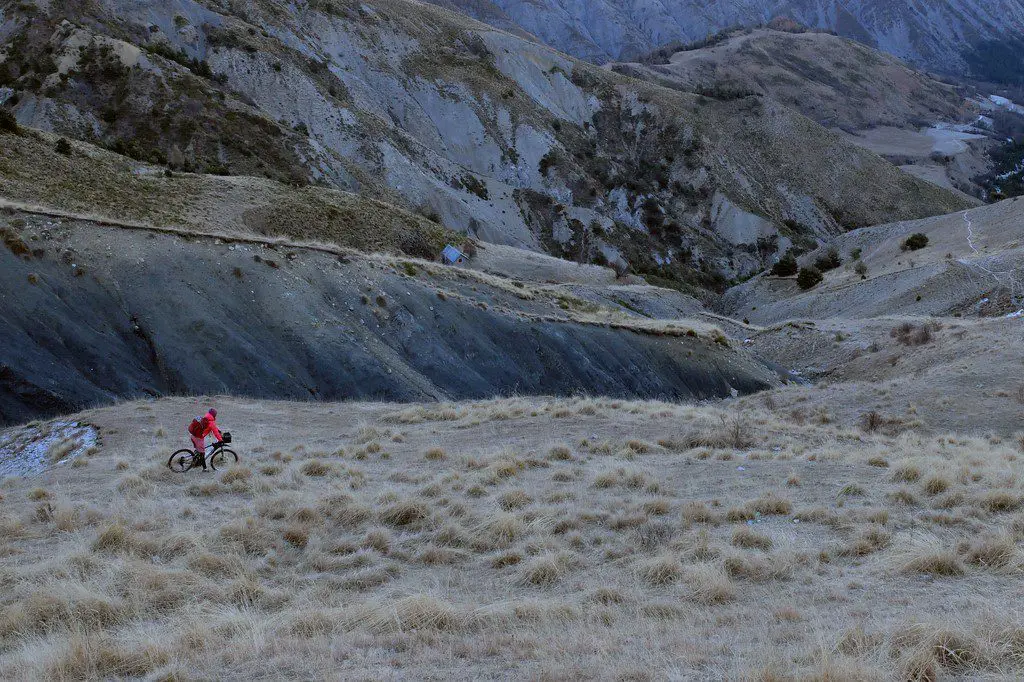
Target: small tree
[
  {"x": 916, "y": 241},
  {"x": 809, "y": 277},
  {"x": 787, "y": 266}
]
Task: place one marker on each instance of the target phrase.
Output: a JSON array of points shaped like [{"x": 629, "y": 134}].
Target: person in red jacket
[{"x": 199, "y": 429}]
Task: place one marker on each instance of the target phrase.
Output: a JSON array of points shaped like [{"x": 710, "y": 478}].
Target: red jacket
[{"x": 207, "y": 425}]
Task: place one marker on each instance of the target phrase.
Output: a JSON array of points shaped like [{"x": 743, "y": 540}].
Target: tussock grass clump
[
  {"x": 316, "y": 468},
  {"x": 770, "y": 504},
  {"x": 867, "y": 541},
  {"x": 514, "y": 499},
  {"x": 415, "y": 612},
  {"x": 929, "y": 649},
  {"x": 815, "y": 515},
  {"x": 698, "y": 512},
  {"x": 67, "y": 607},
  {"x": 662, "y": 570},
  {"x": 440, "y": 556},
  {"x": 626, "y": 521},
  {"x": 116, "y": 537},
  {"x": 740, "y": 514},
  {"x": 880, "y": 462},
  {"x": 506, "y": 559},
  {"x": 236, "y": 475},
  {"x": 767, "y": 505},
  {"x": 852, "y": 490},
  {"x": 937, "y": 484},
  {"x": 134, "y": 486},
  {"x": 758, "y": 569},
  {"x": 1000, "y": 501},
  {"x": 607, "y": 596},
  {"x": 249, "y": 535},
  {"x": 498, "y": 531},
  {"x": 546, "y": 570},
  {"x": 749, "y": 539},
  {"x": 906, "y": 472},
  {"x": 378, "y": 539},
  {"x": 61, "y": 449},
  {"x": 296, "y": 536},
  {"x": 658, "y": 507},
  {"x": 903, "y": 496},
  {"x": 560, "y": 453},
  {"x": 931, "y": 560},
  {"x": 405, "y": 512},
  {"x": 98, "y": 656},
  {"x": 434, "y": 455},
  {"x": 638, "y": 447},
  {"x": 708, "y": 584},
  {"x": 993, "y": 551}
]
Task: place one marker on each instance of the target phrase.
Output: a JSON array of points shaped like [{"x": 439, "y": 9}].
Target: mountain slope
[
  {"x": 487, "y": 132},
  {"x": 973, "y": 264},
  {"x": 837, "y": 82},
  {"x": 962, "y": 36},
  {"x": 92, "y": 313},
  {"x": 931, "y": 129}
]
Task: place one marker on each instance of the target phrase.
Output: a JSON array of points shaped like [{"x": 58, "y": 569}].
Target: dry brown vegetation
[{"x": 639, "y": 544}]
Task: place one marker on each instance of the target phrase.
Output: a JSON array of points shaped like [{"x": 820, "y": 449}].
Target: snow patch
[{"x": 29, "y": 450}]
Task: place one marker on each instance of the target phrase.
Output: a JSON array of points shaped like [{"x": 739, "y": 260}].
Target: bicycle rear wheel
[
  {"x": 222, "y": 458},
  {"x": 181, "y": 461}
]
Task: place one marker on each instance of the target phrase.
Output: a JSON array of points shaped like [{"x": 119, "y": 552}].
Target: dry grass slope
[{"x": 507, "y": 551}]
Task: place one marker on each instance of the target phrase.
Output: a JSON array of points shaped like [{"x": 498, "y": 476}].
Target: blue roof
[{"x": 452, "y": 254}]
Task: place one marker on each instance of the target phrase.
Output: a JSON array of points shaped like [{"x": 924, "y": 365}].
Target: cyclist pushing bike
[{"x": 199, "y": 429}]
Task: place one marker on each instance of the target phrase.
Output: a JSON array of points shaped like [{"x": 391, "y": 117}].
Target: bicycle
[{"x": 184, "y": 459}]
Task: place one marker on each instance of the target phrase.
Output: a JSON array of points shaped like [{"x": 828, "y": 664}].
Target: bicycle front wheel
[
  {"x": 181, "y": 461},
  {"x": 222, "y": 458}
]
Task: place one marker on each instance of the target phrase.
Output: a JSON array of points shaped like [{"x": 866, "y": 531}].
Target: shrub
[
  {"x": 63, "y": 147},
  {"x": 786, "y": 266},
  {"x": 912, "y": 335},
  {"x": 8, "y": 124},
  {"x": 829, "y": 261},
  {"x": 809, "y": 278},
  {"x": 872, "y": 421},
  {"x": 861, "y": 269},
  {"x": 916, "y": 241}
]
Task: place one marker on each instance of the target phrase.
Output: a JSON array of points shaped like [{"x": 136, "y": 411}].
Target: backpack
[{"x": 197, "y": 427}]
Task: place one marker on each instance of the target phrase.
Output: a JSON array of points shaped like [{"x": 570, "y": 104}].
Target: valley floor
[{"x": 551, "y": 539}]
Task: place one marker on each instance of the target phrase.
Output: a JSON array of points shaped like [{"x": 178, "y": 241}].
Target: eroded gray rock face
[
  {"x": 154, "y": 315},
  {"x": 934, "y": 33}
]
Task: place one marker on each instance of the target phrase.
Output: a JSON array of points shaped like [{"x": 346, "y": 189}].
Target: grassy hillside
[
  {"x": 834, "y": 81},
  {"x": 36, "y": 169}
]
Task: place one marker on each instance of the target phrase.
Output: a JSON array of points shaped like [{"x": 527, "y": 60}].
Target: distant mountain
[{"x": 967, "y": 37}]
